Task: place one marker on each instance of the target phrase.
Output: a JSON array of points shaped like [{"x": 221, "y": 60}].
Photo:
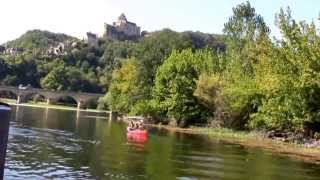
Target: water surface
[{"x": 60, "y": 144}]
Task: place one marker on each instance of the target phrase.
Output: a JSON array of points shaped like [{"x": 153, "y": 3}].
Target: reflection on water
[{"x": 47, "y": 143}]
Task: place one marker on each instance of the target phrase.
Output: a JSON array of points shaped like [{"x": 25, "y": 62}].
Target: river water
[{"x": 60, "y": 144}]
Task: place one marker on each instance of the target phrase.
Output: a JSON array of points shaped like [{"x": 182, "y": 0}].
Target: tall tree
[
  {"x": 244, "y": 31},
  {"x": 175, "y": 84}
]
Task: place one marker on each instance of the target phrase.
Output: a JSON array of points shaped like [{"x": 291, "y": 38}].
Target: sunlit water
[{"x": 57, "y": 144}]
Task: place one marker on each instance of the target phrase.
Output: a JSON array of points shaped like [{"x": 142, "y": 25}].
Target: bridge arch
[
  {"x": 79, "y": 99},
  {"x": 66, "y": 100},
  {"x": 8, "y": 94},
  {"x": 35, "y": 96},
  {"x": 91, "y": 103}
]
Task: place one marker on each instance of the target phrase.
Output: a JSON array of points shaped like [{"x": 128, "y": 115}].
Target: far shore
[{"x": 43, "y": 105}]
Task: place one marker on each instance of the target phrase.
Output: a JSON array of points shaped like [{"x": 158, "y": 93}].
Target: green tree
[
  {"x": 153, "y": 50},
  {"x": 4, "y": 68},
  {"x": 289, "y": 79},
  {"x": 175, "y": 84},
  {"x": 243, "y": 26},
  {"x": 125, "y": 88},
  {"x": 231, "y": 92},
  {"x": 56, "y": 79},
  {"x": 244, "y": 31}
]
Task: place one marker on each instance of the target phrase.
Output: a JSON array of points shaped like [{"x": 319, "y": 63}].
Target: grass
[
  {"x": 50, "y": 105},
  {"x": 8, "y": 100},
  {"x": 224, "y": 133}
]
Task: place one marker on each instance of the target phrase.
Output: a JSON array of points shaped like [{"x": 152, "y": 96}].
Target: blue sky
[{"x": 76, "y": 17}]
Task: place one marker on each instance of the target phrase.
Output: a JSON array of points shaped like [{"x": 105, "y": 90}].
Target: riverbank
[
  {"x": 260, "y": 140},
  {"x": 50, "y": 106},
  {"x": 254, "y": 140}
]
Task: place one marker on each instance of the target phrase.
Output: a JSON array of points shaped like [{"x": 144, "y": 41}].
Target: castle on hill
[{"x": 122, "y": 29}]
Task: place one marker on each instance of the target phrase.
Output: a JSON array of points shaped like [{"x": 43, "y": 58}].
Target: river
[{"x": 61, "y": 144}]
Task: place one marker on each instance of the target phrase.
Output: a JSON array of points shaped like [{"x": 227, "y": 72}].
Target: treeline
[
  {"x": 79, "y": 66},
  {"x": 257, "y": 83}
]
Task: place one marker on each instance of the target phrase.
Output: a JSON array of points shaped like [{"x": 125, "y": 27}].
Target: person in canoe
[
  {"x": 132, "y": 125},
  {"x": 140, "y": 125},
  {"x": 136, "y": 125}
]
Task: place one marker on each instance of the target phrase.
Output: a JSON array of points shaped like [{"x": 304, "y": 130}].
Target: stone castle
[
  {"x": 92, "y": 39},
  {"x": 122, "y": 29}
]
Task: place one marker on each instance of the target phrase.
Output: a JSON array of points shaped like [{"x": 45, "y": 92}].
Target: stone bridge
[{"x": 22, "y": 95}]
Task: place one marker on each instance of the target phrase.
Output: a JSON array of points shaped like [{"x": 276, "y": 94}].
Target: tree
[
  {"x": 153, "y": 50},
  {"x": 125, "y": 88},
  {"x": 244, "y": 32},
  {"x": 289, "y": 79},
  {"x": 114, "y": 51},
  {"x": 4, "y": 68},
  {"x": 56, "y": 79},
  {"x": 175, "y": 84},
  {"x": 231, "y": 91},
  {"x": 243, "y": 26}
]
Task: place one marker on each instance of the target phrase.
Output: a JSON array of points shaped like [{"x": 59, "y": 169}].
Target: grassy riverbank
[
  {"x": 45, "y": 105},
  {"x": 254, "y": 140},
  {"x": 225, "y": 133},
  {"x": 258, "y": 140}
]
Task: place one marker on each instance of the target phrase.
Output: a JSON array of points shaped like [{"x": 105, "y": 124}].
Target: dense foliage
[
  {"x": 248, "y": 82},
  {"x": 125, "y": 86},
  {"x": 84, "y": 67},
  {"x": 37, "y": 39},
  {"x": 175, "y": 84},
  {"x": 265, "y": 84},
  {"x": 254, "y": 83}
]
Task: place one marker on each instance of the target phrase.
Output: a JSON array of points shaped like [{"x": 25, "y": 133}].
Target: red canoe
[{"x": 137, "y": 134}]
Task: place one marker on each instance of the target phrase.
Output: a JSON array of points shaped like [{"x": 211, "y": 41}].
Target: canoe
[
  {"x": 137, "y": 132},
  {"x": 137, "y": 135}
]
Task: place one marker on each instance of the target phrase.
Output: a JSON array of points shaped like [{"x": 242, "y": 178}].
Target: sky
[{"x": 76, "y": 17}]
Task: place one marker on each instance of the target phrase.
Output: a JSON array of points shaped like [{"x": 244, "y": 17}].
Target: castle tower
[
  {"x": 92, "y": 39},
  {"x": 122, "y": 17},
  {"x": 122, "y": 29}
]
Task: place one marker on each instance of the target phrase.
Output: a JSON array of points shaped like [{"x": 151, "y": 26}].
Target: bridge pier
[
  {"x": 79, "y": 105},
  {"x": 48, "y": 101},
  {"x": 19, "y": 99}
]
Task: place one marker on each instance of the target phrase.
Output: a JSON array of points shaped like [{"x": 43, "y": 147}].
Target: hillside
[
  {"x": 38, "y": 39},
  {"x": 51, "y": 60}
]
